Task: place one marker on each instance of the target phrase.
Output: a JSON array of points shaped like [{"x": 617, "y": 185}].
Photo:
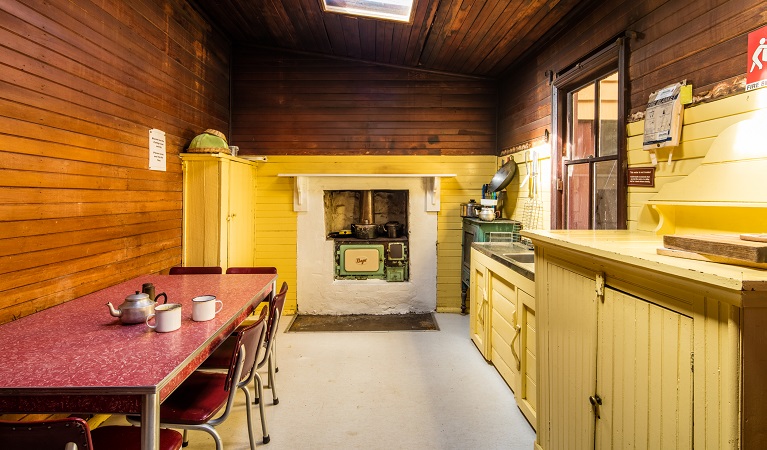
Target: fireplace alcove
[{"x": 318, "y": 292}]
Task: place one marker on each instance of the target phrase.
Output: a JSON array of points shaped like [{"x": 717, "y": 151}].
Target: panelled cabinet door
[
  {"x": 480, "y": 316},
  {"x": 504, "y": 339},
  {"x": 241, "y": 216},
  {"x": 644, "y": 375},
  {"x": 568, "y": 315},
  {"x": 526, "y": 395}
]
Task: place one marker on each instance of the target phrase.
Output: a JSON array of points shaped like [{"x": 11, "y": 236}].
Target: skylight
[{"x": 397, "y": 10}]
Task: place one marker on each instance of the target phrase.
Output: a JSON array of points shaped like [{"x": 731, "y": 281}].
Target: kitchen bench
[{"x": 641, "y": 350}]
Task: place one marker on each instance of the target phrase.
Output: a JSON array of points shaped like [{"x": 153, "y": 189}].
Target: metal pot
[
  {"x": 393, "y": 229},
  {"x": 365, "y": 231},
  {"x": 470, "y": 209}
]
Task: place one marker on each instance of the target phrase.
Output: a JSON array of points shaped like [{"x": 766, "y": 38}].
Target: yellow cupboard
[{"x": 219, "y": 210}]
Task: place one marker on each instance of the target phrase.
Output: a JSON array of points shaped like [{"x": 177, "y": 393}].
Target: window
[
  {"x": 588, "y": 119},
  {"x": 397, "y": 10}
]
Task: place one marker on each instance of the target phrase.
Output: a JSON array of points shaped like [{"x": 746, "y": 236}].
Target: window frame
[{"x": 610, "y": 58}]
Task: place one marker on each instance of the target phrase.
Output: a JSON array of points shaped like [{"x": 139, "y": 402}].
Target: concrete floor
[{"x": 382, "y": 390}]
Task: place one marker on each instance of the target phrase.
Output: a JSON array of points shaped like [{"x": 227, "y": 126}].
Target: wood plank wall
[
  {"x": 308, "y": 109},
  {"x": 82, "y": 84},
  {"x": 703, "y": 42},
  {"x": 295, "y": 104}
]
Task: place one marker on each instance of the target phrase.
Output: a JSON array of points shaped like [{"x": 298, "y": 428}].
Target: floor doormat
[{"x": 364, "y": 322}]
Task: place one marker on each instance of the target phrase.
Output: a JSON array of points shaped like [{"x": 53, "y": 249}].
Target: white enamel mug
[
  {"x": 167, "y": 318},
  {"x": 204, "y": 307}
]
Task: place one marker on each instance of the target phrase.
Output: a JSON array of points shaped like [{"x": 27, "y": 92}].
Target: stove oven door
[{"x": 360, "y": 261}]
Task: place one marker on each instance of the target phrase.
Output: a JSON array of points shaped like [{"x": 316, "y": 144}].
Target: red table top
[{"x": 78, "y": 349}]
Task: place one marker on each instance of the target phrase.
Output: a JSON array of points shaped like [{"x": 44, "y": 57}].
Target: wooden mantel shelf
[
  {"x": 432, "y": 192},
  {"x": 370, "y": 175}
]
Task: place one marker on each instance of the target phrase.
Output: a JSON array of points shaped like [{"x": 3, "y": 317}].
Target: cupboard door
[
  {"x": 241, "y": 216},
  {"x": 504, "y": 340},
  {"x": 567, "y": 339},
  {"x": 526, "y": 395},
  {"x": 480, "y": 316},
  {"x": 644, "y": 375}
]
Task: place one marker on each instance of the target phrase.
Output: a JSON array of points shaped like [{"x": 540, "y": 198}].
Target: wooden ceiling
[{"x": 471, "y": 37}]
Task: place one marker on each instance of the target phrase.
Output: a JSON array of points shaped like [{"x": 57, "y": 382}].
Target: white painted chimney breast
[{"x": 319, "y": 293}]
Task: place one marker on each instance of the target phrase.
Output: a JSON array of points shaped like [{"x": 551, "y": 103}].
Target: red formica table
[{"x": 77, "y": 358}]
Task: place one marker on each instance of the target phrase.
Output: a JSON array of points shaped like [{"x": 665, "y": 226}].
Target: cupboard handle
[
  {"x": 517, "y": 329},
  {"x": 596, "y": 402}
]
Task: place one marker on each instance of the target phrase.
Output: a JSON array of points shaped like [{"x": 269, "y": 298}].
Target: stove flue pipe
[{"x": 366, "y": 217}]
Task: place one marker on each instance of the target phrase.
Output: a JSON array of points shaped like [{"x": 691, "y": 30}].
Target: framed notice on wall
[{"x": 641, "y": 176}]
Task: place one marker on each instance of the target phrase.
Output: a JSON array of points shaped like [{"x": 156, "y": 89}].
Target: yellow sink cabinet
[
  {"x": 640, "y": 350},
  {"x": 502, "y": 325},
  {"x": 219, "y": 210}
]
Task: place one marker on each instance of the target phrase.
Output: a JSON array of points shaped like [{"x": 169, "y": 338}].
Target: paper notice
[{"x": 157, "y": 154}]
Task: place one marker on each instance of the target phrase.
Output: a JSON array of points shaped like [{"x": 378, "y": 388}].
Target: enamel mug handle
[
  {"x": 220, "y": 306},
  {"x": 149, "y": 317}
]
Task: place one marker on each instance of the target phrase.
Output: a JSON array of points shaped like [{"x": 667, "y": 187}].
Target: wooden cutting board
[
  {"x": 726, "y": 245},
  {"x": 709, "y": 258}
]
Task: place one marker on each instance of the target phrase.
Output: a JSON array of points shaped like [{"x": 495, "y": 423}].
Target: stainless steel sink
[{"x": 523, "y": 258}]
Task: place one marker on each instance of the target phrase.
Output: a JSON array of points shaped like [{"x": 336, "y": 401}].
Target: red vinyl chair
[
  {"x": 269, "y": 298},
  {"x": 195, "y": 270},
  {"x": 197, "y": 402},
  {"x": 273, "y": 324},
  {"x": 218, "y": 358},
  {"x": 74, "y": 433}
]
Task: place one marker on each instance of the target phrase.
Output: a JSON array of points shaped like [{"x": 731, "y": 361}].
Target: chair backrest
[
  {"x": 273, "y": 323},
  {"x": 252, "y": 339},
  {"x": 275, "y": 311},
  {"x": 256, "y": 270},
  {"x": 45, "y": 435},
  {"x": 195, "y": 270}
]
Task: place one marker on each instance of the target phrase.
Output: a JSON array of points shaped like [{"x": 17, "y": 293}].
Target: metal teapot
[{"x": 136, "y": 308}]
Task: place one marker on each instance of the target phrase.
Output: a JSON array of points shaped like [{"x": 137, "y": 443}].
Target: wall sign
[
  {"x": 641, "y": 176},
  {"x": 756, "y": 68},
  {"x": 157, "y": 150}
]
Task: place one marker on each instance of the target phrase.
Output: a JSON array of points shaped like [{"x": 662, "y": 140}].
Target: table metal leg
[{"x": 150, "y": 422}]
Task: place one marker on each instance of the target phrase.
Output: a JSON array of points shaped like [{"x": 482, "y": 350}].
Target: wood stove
[
  {"x": 381, "y": 252},
  {"x": 380, "y": 258}
]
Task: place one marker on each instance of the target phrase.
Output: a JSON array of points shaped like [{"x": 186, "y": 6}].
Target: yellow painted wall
[
  {"x": 701, "y": 125},
  {"x": 521, "y": 200},
  {"x": 276, "y": 220}
]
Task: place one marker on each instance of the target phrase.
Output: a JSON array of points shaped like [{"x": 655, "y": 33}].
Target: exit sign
[{"x": 756, "y": 68}]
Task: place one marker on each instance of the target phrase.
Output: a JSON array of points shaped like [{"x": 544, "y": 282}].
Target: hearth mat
[{"x": 364, "y": 322}]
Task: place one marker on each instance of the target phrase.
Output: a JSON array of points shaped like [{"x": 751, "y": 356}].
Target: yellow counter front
[{"x": 642, "y": 350}]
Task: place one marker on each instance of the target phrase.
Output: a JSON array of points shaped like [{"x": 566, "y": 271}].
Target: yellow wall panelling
[
  {"x": 276, "y": 221},
  {"x": 702, "y": 124}
]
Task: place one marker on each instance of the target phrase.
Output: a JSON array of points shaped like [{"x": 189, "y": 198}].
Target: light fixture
[{"x": 396, "y": 10}]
